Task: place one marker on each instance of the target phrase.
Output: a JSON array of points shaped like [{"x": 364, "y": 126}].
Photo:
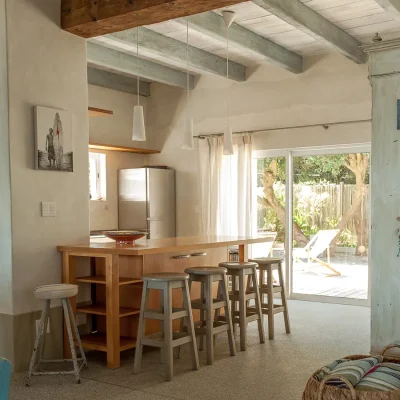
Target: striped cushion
[
  {"x": 353, "y": 370},
  {"x": 329, "y": 368},
  {"x": 385, "y": 377}
]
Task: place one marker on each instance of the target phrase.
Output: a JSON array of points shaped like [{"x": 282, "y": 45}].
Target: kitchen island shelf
[
  {"x": 101, "y": 280},
  {"x": 98, "y": 341},
  {"x": 100, "y": 309}
]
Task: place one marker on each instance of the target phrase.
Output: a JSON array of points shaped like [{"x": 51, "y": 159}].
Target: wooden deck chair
[
  {"x": 316, "y": 246},
  {"x": 5, "y": 375}
]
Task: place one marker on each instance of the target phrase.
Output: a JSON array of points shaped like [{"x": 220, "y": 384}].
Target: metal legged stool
[
  {"x": 239, "y": 271},
  {"x": 266, "y": 266},
  {"x": 207, "y": 304},
  {"x": 48, "y": 293},
  {"x": 166, "y": 340}
]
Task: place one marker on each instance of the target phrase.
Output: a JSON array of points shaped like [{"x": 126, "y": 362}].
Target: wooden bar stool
[
  {"x": 207, "y": 304},
  {"x": 167, "y": 339},
  {"x": 238, "y": 272},
  {"x": 266, "y": 266},
  {"x": 47, "y": 293}
]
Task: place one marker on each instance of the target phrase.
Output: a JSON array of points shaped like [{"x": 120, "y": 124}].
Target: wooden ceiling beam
[
  {"x": 304, "y": 18},
  {"x": 90, "y": 18}
]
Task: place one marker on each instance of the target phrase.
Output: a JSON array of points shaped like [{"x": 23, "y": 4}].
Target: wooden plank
[
  {"x": 99, "y": 112},
  {"x": 112, "y": 310},
  {"x": 213, "y": 25},
  {"x": 151, "y": 42},
  {"x": 117, "y": 82},
  {"x": 95, "y": 18},
  {"x": 309, "y": 21},
  {"x": 110, "y": 147},
  {"x": 101, "y": 57}
]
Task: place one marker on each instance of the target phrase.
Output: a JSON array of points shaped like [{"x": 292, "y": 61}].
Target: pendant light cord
[
  {"x": 187, "y": 71},
  {"x": 137, "y": 66},
  {"x": 227, "y": 75}
]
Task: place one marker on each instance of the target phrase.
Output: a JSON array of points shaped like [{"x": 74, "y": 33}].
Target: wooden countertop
[{"x": 159, "y": 246}]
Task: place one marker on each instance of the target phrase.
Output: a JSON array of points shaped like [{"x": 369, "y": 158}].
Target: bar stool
[
  {"x": 238, "y": 272},
  {"x": 48, "y": 293},
  {"x": 167, "y": 339},
  {"x": 207, "y": 304},
  {"x": 266, "y": 266}
]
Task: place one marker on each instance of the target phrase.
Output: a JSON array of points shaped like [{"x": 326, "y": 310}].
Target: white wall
[
  {"x": 5, "y": 182},
  {"x": 47, "y": 67},
  {"x": 332, "y": 89}
]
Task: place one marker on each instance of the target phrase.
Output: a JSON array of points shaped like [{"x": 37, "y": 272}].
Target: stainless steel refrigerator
[{"x": 146, "y": 201}]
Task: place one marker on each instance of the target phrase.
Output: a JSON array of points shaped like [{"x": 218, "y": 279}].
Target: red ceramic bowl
[{"x": 124, "y": 237}]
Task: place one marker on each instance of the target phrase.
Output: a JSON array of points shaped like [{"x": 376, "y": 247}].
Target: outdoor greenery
[{"x": 309, "y": 172}]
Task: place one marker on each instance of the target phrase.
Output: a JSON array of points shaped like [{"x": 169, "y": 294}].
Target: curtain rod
[{"x": 325, "y": 126}]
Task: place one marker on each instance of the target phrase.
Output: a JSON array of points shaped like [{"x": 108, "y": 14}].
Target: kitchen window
[{"x": 97, "y": 176}]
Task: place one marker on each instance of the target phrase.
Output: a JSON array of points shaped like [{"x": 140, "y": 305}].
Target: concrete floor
[{"x": 276, "y": 370}]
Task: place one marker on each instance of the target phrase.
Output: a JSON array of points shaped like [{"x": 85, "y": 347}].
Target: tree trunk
[
  {"x": 361, "y": 230},
  {"x": 270, "y": 200}
]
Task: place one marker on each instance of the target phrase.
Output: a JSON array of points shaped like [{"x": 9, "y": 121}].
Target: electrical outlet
[{"x": 38, "y": 324}]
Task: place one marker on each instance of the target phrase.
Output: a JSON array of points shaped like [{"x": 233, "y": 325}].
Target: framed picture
[{"x": 53, "y": 144}]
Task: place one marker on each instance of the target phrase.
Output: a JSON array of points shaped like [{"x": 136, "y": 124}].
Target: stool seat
[
  {"x": 238, "y": 265},
  {"x": 266, "y": 260},
  {"x": 205, "y": 270},
  {"x": 60, "y": 291},
  {"x": 165, "y": 277}
]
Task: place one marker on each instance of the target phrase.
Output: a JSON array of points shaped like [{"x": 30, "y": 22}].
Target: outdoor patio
[{"x": 314, "y": 278}]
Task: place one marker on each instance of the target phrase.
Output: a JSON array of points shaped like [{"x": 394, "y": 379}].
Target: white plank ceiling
[{"x": 360, "y": 18}]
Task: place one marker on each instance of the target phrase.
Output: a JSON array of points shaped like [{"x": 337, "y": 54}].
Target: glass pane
[
  {"x": 270, "y": 195},
  {"x": 330, "y": 225},
  {"x": 93, "y": 178}
]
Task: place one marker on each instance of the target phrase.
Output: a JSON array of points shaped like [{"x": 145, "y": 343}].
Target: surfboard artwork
[{"x": 53, "y": 140}]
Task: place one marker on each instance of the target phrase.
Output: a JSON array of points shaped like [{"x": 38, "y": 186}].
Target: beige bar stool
[
  {"x": 239, "y": 271},
  {"x": 266, "y": 266},
  {"x": 167, "y": 339},
  {"x": 47, "y": 293},
  {"x": 207, "y": 304}
]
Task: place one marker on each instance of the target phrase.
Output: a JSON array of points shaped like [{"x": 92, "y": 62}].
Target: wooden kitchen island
[{"x": 116, "y": 286}]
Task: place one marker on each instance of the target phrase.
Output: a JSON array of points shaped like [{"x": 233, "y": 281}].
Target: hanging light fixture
[
  {"x": 138, "y": 131},
  {"x": 229, "y": 17},
  {"x": 188, "y": 129}
]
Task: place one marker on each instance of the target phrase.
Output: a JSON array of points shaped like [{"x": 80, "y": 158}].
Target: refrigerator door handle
[{"x": 155, "y": 219}]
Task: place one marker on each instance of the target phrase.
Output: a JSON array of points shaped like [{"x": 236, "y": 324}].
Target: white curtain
[{"x": 226, "y": 187}]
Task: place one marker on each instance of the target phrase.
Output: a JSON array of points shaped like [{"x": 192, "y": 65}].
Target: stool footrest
[
  {"x": 158, "y": 313},
  {"x": 250, "y": 295},
  {"x": 200, "y": 304},
  {"x": 157, "y": 339},
  {"x": 218, "y": 327},
  {"x": 278, "y": 308}
]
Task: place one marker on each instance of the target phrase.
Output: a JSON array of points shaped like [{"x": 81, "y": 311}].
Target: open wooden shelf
[
  {"x": 101, "y": 280},
  {"x": 98, "y": 341},
  {"x": 100, "y": 309},
  {"x": 99, "y": 112},
  {"x": 109, "y": 147}
]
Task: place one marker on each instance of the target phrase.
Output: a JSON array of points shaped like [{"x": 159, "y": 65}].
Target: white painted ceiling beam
[
  {"x": 392, "y": 6},
  {"x": 153, "y": 43},
  {"x": 101, "y": 57},
  {"x": 309, "y": 21},
  {"x": 213, "y": 25},
  {"x": 121, "y": 83}
]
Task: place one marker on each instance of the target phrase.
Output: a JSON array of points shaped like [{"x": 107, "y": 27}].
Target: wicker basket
[{"x": 316, "y": 390}]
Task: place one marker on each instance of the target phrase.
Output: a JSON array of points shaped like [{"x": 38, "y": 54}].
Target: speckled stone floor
[{"x": 276, "y": 370}]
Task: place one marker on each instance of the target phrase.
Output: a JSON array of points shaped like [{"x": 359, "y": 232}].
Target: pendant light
[
  {"x": 229, "y": 17},
  {"x": 188, "y": 129},
  {"x": 138, "y": 131}
]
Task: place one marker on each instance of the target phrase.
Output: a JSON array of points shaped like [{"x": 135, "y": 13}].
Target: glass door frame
[{"x": 289, "y": 154}]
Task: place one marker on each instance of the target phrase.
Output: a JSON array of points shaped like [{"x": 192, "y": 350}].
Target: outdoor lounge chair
[{"x": 316, "y": 246}]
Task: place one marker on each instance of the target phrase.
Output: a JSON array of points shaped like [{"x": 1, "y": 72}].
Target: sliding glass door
[{"x": 317, "y": 202}]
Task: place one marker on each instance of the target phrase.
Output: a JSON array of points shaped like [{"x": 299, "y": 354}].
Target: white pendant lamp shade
[
  {"x": 139, "y": 132},
  {"x": 229, "y": 17},
  {"x": 188, "y": 143},
  {"x": 228, "y": 142}
]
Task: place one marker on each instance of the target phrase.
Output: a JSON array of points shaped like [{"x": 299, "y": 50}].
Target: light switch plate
[{"x": 48, "y": 209}]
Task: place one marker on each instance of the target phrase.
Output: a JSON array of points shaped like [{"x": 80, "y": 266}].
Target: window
[{"x": 97, "y": 176}]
